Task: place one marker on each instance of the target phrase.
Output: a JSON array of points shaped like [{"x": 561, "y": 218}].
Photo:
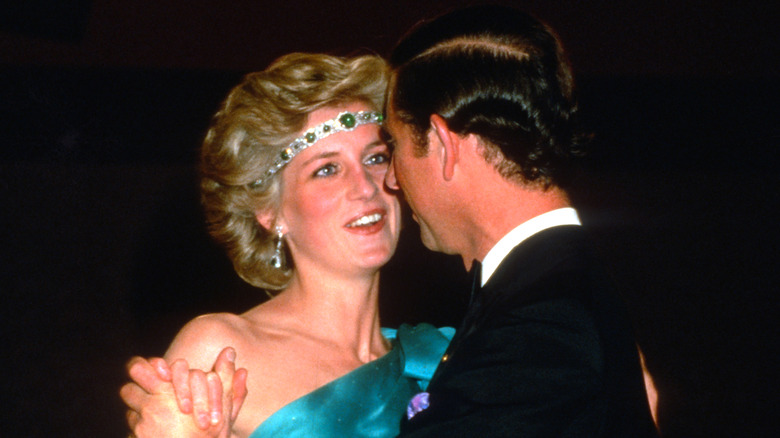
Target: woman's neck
[{"x": 337, "y": 309}]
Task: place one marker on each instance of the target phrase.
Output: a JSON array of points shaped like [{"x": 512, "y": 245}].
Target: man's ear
[{"x": 450, "y": 145}]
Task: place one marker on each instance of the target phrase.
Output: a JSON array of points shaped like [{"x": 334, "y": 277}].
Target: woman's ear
[
  {"x": 267, "y": 219},
  {"x": 271, "y": 221}
]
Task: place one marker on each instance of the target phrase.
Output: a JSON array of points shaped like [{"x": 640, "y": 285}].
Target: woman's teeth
[{"x": 366, "y": 220}]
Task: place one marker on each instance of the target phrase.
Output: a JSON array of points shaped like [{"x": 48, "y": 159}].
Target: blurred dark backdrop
[{"x": 103, "y": 104}]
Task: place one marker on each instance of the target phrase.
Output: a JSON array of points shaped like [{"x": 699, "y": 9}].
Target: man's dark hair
[{"x": 498, "y": 73}]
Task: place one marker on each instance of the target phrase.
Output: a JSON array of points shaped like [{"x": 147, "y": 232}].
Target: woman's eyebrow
[
  {"x": 329, "y": 154},
  {"x": 321, "y": 155},
  {"x": 373, "y": 144}
]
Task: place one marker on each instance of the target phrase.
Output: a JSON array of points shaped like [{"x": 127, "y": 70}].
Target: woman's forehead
[{"x": 324, "y": 114}]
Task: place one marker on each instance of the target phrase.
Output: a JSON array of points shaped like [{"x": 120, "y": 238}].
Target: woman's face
[{"x": 335, "y": 208}]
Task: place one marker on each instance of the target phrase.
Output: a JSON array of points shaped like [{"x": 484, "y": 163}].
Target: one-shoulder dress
[{"x": 370, "y": 400}]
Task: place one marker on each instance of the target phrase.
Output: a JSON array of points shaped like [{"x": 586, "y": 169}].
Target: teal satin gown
[{"x": 371, "y": 400}]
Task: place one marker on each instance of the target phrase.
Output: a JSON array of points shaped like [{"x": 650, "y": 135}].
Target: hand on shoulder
[{"x": 213, "y": 399}]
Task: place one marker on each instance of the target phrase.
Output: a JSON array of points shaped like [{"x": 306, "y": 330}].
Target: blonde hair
[{"x": 259, "y": 118}]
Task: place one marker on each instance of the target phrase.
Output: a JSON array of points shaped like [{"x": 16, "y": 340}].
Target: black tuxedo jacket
[{"x": 545, "y": 350}]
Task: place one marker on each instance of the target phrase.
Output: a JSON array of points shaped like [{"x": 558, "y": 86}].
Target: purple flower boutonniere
[{"x": 417, "y": 404}]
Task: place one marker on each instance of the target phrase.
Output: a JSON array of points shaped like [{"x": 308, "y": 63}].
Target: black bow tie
[
  {"x": 475, "y": 275},
  {"x": 475, "y": 302}
]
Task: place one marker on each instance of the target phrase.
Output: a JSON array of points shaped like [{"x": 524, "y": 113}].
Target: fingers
[
  {"x": 160, "y": 391},
  {"x": 161, "y": 366},
  {"x": 180, "y": 377},
  {"x": 215, "y": 397},
  {"x": 132, "y": 418},
  {"x": 200, "y": 398},
  {"x": 234, "y": 381},
  {"x": 159, "y": 416},
  {"x": 239, "y": 392},
  {"x": 212, "y": 398},
  {"x": 225, "y": 366},
  {"x": 133, "y": 395},
  {"x": 145, "y": 375}
]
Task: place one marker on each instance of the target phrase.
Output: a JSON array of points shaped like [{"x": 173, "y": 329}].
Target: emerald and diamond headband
[{"x": 345, "y": 121}]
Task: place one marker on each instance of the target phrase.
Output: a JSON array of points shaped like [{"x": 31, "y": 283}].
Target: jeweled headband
[{"x": 345, "y": 121}]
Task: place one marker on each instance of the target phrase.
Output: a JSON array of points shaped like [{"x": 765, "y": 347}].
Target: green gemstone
[
  {"x": 347, "y": 120},
  {"x": 325, "y": 128},
  {"x": 286, "y": 154},
  {"x": 380, "y": 118},
  {"x": 311, "y": 137}
]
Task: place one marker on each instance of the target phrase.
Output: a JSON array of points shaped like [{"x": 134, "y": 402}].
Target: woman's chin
[{"x": 376, "y": 259}]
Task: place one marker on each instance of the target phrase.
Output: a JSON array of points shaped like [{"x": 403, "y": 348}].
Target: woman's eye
[
  {"x": 377, "y": 159},
  {"x": 326, "y": 170}
]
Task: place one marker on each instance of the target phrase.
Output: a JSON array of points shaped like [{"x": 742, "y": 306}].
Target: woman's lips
[{"x": 367, "y": 223}]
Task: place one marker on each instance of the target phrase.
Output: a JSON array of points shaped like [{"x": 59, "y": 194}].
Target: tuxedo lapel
[
  {"x": 475, "y": 303},
  {"x": 535, "y": 257}
]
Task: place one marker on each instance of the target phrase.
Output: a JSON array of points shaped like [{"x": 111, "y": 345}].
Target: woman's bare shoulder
[{"x": 201, "y": 339}]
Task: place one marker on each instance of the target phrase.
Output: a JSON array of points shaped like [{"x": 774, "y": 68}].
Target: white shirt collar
[{"x": 553, "y": 218}]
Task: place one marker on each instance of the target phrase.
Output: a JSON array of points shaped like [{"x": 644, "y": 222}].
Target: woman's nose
[{"x": 364, "y": 184}]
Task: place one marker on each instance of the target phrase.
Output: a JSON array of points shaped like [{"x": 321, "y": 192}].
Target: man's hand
[{"x": 179, "y": 402}]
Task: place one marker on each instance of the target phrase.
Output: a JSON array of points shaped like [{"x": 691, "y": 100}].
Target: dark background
[{"x": 103, "y": 104}]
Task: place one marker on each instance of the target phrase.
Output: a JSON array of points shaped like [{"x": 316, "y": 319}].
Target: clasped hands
[{"x": 174, "y": 400}]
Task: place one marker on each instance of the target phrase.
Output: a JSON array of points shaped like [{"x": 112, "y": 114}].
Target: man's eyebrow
[{"x": 385, "y": 135}]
